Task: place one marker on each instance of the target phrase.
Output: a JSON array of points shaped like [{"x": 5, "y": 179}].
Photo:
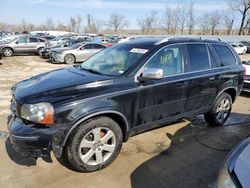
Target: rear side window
[
  {"x": 197, "y": 57},
  {"x": 33, "y": 40},
  {"x": 41, "y": 40},
  {"x": 225, "y": 55},
  {"x": 97, "y": 46}
]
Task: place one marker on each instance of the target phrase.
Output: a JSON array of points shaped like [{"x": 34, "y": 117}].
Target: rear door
[
  {"x": 203, "y": 81},
  {"x": 33, "y": 42}
]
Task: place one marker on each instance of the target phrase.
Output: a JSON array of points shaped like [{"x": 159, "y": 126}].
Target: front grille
[{"x": 247, "y": 77}]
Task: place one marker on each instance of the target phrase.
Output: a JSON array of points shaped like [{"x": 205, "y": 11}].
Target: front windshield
[
  {"x": 8, "y": 39},
  {"x": 114, "y": 60}
]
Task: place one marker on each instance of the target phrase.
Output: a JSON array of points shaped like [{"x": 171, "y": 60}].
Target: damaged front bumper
[{"x": 30, "y": 140}]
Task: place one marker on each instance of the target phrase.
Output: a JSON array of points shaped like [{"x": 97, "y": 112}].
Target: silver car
[
  {"x": 22, "y": 44},
  {"x": 78, "y": 52}
]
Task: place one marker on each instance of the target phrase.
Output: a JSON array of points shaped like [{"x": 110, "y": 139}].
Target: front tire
[
  {"x": 94, "y": 144},
  {"x": 7, "y": 52},
  {"x": 220, "y": 111},
  {"x": 69, "y": 59},
  {"x": 39, "y": 51}
]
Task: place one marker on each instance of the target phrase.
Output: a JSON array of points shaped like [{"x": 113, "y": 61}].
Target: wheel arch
[
  {"x": 118, "y": 117},
  {"x": 231, "y": 91},
  {"x": 69, "y": 54}
]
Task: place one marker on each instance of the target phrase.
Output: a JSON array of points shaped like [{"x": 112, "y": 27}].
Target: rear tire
[
  {"x": 7, "y": 52},
  {"x": 39, "y": 51},
  {"x": 69, "y": 59},
  {"x": 220, "y": 110},
  {"x": 94, "y": 145}
]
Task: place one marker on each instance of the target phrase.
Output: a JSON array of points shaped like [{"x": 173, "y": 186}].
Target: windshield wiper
[{"x": 90, "y": 70}]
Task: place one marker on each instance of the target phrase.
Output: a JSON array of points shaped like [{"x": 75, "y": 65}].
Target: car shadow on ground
[{"x": 195, "y": 156}]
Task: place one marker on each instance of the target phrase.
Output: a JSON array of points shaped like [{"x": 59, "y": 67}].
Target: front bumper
[
  {"x": 246, "y": 86},
  {"x": 29, "y": 140},
  {"x": 57, "y": 57}
]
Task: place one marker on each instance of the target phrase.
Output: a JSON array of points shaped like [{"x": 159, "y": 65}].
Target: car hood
[
  {"x": 61, "y": 49},
  {"x": 59, "y": 85}
]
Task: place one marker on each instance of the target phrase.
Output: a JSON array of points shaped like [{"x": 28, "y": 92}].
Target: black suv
[{"x": 84, "y": 113}]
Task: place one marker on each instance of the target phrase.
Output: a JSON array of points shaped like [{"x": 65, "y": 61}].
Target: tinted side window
[
  {"x": 225, "y": 55},
  {"x": 41, "y": 40},
  {"x": 97, "y": 46},
  {"x": 87, "y": 46},
  {"x": 169, "y": 59},
  {"x": 197, "y": 57},
  {"x": 33, "y": 40},
  {"x": 213, "y": 59}
]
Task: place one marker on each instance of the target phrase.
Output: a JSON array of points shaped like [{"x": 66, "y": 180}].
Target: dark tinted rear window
[
  {"x": 97, "y": 46},
  {"x": 225, "y": 55},
  {"x": 41, "y": 40},
  {"x": 197, "y": 57},
  {"x": 32, "y": 40}
]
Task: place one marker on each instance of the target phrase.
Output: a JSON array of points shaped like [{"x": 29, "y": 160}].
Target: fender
[
  {"x": 224, "y": 91},
  {"x": 92, "y": 115}
]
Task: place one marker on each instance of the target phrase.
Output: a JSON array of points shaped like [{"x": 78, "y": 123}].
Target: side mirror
[
  {"x": 151, "y": 74},
  {"x": 243, "y": 62},
  {"x": 16, "y": 42}
]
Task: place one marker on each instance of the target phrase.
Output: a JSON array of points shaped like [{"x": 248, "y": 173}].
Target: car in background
[
  {"x": 46, "y": 51},
  {"x": 236, "y": 168},
  {"x": 76, "y": 53},
  {"x": 239, "y": 48},
  {"x": 247, "y": 44},
  {"x": 22, "y": 44},
  {"x": 246, "y": 86}
]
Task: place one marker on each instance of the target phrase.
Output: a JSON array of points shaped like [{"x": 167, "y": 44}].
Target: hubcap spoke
[
  {"x": 96, "y": 133},
  {"x": 99, "y": 157},
  {"x": 86, "y": 144},
  {"x": 107, "y": 147},
  {"x": 107, "y": 136},
  {"x": 88, "y": 155}
]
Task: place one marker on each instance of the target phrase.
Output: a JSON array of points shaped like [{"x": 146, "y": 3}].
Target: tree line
[{"x": 178, "y": 20}]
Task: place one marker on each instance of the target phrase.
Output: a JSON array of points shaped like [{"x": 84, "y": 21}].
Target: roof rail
[
  {"x": 209, "y": 38},
  {"x": 186, "y": 37}
]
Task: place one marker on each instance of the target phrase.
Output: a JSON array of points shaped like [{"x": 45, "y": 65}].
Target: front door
[
  {"x": 164, "y": 99},
  {"x": 21, "y": 44}
]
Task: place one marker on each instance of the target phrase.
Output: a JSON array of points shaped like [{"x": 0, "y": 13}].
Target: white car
[
  {"x": 78, "y": 52},
  {"x": 246, "y": 86},
  {"x": 239, "y": 48}
]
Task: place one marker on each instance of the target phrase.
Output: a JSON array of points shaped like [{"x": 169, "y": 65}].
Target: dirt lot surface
[{"x": 184, "y": 154}]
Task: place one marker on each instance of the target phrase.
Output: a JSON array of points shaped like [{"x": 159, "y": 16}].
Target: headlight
[
  {"x": 39, "y": 113},
  {"x": 224, "y": 180}
]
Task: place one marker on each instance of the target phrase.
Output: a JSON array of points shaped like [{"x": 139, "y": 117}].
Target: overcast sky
[{"x": 36, "y": 11}]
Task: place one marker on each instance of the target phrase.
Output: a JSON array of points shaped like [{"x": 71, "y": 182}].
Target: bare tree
[
  {"x": 203, "y": 23},
  {"x": 99, "y": 24},
  {"x": 190, "y": 18},
  {"x": 117, "y": 21},
  {"x": 142, "y": 24},
  {"x": 241, "y": 6},
  {"x": 214, "y": 21},
  {"x": 78, "y": 23},
  {"x": 167, "y": 20},
  {"x": 24, "y": 25},
  {"x": 228, "y": 22},
  {"x": 72, "y": 24},
  {"x": 50, "y": 24},
  {"x": 182, "y": 16}
]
